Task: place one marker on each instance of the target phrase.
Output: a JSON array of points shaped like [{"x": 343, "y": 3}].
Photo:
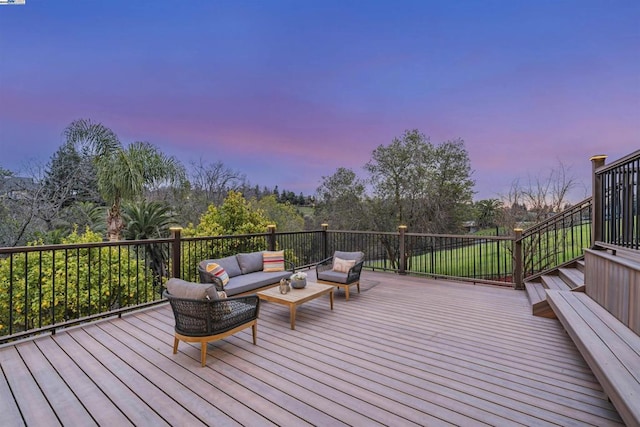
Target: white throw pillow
[{"x": 343, "y": 265}]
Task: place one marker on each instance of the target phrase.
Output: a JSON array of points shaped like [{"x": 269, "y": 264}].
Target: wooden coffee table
[{"x": 295, "y": 297}]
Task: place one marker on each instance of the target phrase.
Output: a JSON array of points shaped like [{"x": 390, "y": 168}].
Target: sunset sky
[{"x": 288, "y": 91}]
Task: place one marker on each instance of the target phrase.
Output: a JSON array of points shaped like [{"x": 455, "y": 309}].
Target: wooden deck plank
[
  {"x": 316, "y": 375},
  {"x": 555, "y": 283},
  {"x": 9, "y": 410},
  {"x": 405, "y": 351},
  {"x": 89, "y": 395},
  {"x": 370, "y": 379},
  {"x": 134, "y": 408},
  {"x": 450, "y": 371},
  {"x": 249, "y": 378},
  {"x": 67, "y": 407},
  {"x": 572, "y": 276},
  {"x": 33, "y": 404},
  {"x": 448, "y": 379},
  {"x": 468, "y": 334},
  {"x": 160, "y": 334},
  {"x": 535, "y": 291},
  {"x": 174, "y": 413},
  {"x": 189, "y": 390}
]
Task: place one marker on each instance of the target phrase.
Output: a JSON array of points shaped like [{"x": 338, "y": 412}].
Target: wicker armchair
[
  {"x": 202, "y": 320},
  {"x": 328, "y": 272}
]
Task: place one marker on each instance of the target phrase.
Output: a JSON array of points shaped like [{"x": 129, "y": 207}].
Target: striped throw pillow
[
  {"x": 216, "y": 270},
  {"x": 273, "y": 261}
]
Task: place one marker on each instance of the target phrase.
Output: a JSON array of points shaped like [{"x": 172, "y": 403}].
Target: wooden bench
[{"x": 611, "y": 349}]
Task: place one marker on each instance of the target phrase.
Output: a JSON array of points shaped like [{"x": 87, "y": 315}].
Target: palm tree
[
  {"x": 123, "y": 172},
  {"x": 147, "y": 220},
  {"x": 487, "y": 212},
  {"x": 150, "y": 220},
  {"x": 83, "y": 215}
]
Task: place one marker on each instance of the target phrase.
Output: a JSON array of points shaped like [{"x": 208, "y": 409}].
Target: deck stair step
[
  {"x": 563, "y": 279},
  {"x": 535, "y": 291},
  {"x": 538, "y": 297},
  {"x": 555, "y": 283},
  {"x": 611, "y": 349},
  {"x": 572, "y": 277},
  {"x": 569, "y": 277}
]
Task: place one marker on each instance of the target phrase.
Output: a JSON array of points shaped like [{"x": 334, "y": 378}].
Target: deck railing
[
  {"x": 616, "y": 187},
  {"x": 43, "y": 288},
  {"x": 559, "y": 240}
]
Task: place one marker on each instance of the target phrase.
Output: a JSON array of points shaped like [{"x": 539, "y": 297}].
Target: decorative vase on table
[
  {"x": 298, "y": 280},
  {"x": 298, "y": 283},
  {"x": 284, "y": 286}
]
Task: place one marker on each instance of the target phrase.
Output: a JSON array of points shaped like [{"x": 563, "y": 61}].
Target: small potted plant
[{"x": 298, "y": 280}]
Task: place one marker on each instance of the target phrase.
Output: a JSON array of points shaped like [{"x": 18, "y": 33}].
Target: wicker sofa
[{"x": 246, "y": 272}]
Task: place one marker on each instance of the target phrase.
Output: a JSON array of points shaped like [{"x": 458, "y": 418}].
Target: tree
[
  {"x": 487, "y": 212},
  {"x": 420, "y": 185},
  {"x": 340, "y": 201},
  {"x": 235, "y": 216},
  {"x": 147, "y": 220},
  {"x": 150, "y": 220},
  {"x": 84, "y": 215},
  {"x": 283, "y": 215},
  {"x": 71, "y": 176},
  {"x": 70, "y": 191},
  {"x": 212, "y": 181},
  {"x": 122, "y": 172},
  {"x": 21, "y": 201},
  {"x": 453, "y": 190},
  {"x": 537, "y": 197}
]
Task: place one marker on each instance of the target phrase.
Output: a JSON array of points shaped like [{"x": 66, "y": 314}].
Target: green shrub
[{"x": 41, "y": 288}]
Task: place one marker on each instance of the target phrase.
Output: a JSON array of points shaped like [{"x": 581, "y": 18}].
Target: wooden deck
[{"x": 405, "y": 351}]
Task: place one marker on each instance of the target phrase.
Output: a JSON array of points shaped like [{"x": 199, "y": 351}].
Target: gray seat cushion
[
  {"x": 332, "y": 276},
  {"x": 253, "y": 281}
]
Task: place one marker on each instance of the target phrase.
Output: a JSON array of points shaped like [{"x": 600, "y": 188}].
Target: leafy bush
[{"x": 41, "y": 288}]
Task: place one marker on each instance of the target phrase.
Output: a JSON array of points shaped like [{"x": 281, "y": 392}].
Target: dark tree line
[{"x": 92, "y": 181}]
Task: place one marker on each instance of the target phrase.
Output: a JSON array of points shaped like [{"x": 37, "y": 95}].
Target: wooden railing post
[
  {"x": 271, "y": 229},
  {"x": 325, "y": 241},
  {"x": 402, "y": 267},
  {"x": 597, "y": 214},
  {"x": 175, "y": 251},
  {"x": 518, "y": 266}
]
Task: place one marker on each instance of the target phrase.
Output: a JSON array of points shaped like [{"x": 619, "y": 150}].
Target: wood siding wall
[{"x": 613, "y": 281}]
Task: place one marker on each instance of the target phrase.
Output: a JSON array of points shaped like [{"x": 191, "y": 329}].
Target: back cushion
[
  {"x": 250, "y": 263},
  {"x": 357, "y": 256},
  {"x": 230, "y": 265},
  {"x": 183, "y": 289}
]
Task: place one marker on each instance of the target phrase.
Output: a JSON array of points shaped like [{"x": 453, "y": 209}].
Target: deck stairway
[{"x": 569, "y": 277}]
